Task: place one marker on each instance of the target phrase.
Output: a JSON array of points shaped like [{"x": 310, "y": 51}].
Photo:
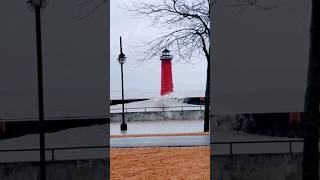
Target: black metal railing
[
  {"x": 159, "y": 109},
  {"x": 52, "y": 118},
  {"x": 232, "y": 143},
  {"x": 54, "y": 150}
]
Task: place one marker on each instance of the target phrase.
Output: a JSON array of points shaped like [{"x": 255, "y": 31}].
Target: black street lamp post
[
  {"x": 122, "y": 59},
  {"x": 37, "y": 5}
]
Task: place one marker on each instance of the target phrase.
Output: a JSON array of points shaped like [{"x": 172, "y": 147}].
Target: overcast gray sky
[{"x": 144, "y": 78}]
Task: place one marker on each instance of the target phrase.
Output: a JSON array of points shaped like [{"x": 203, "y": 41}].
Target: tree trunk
[
  {"x": 310, "y": 162},
  {"x": 207, "y": 98}
]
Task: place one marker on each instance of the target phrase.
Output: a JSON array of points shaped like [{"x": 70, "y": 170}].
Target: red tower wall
[{"x": 166, "y": 77}]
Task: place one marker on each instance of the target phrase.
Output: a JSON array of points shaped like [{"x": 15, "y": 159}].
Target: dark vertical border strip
[
  {"x": 211, "y": 84},
  {"x": 108, "y": 88}
]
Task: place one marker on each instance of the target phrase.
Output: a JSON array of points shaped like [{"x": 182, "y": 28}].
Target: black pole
[
  {"x": 40, "y": 94},
  {"x": 123, "y": 125},
  {"x": 120, "y": 45}
]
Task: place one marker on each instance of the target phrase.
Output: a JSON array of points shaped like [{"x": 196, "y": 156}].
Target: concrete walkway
[
  {"x": 160, "y": 141},
  {"x": 159, "y": 127}
]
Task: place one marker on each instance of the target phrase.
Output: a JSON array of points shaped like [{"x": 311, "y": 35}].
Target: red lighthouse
[{"x": 166, "y": 73}]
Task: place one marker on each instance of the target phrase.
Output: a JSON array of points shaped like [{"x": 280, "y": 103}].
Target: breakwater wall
[{"x": 153, "y": 116}]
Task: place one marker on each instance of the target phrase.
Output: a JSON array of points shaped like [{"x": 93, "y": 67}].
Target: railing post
[
  {"x": 145, "y": 109},
  {"x": 230, "y": 147},
  {"x": 52, "y": 154},
  {"x": 290, "y": 147},
  {"x": 182, "y": 108},
  {"x": 162, "y": 109}
]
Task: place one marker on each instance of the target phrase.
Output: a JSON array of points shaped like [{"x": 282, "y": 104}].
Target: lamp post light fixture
[
  {"x": 122, "y": 59},
  {"x": 37, "y": 6}
]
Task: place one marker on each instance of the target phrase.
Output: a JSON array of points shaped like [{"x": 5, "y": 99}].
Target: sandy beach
[{"x": 160, "y": 163}]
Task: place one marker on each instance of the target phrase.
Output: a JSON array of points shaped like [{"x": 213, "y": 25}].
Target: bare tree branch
[
  {"x": 243, "y": 5},
  {"x": 187, "y": 22},
  {"x": 96, "y": 5}
]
